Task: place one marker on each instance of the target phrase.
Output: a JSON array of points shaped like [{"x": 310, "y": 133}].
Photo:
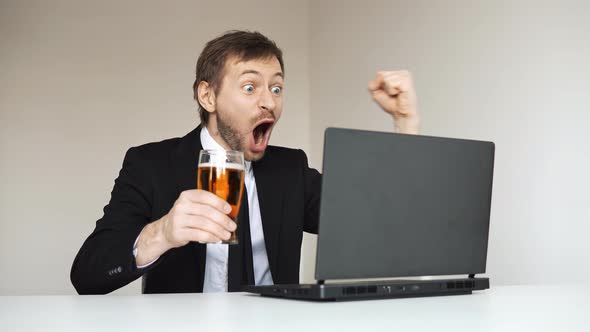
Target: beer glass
[{"x": 222, "y": 173}]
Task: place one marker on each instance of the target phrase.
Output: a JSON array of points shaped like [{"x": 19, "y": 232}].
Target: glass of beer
[{"x": 222, "y": 173}]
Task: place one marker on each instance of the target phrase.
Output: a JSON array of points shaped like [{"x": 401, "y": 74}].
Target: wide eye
[
  {"x": 276, "y": 90},
  {"x": 248, "y": 88}
]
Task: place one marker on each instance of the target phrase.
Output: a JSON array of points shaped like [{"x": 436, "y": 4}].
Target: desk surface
[{"x": 507, "y": 308}]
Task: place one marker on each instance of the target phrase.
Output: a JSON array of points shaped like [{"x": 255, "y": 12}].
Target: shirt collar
[{"x": 209, "y": 143}]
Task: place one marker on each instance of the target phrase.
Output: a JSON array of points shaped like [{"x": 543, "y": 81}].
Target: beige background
[
  {"x": 513, "y": 72},
  {"x": 82, "y": 81}
]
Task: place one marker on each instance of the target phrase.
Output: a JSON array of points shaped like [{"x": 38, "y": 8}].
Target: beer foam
[{"x": 235, "y": 166}]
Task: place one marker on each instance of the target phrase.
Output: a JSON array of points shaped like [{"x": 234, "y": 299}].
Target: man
[{"x": 158, "y": 226}]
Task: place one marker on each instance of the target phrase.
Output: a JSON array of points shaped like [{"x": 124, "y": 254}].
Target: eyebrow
[{"x": 251, "y": 71}]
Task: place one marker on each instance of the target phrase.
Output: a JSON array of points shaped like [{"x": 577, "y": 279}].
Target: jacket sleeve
[
  {"x": 105, "y": 261},
  {"x": 312, "y": 180}
]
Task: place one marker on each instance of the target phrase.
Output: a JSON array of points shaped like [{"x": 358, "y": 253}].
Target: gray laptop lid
[{"x": 397, "y": 205}]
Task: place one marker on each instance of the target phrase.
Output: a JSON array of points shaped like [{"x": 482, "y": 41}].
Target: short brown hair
[{"x": 245, "y": 45}]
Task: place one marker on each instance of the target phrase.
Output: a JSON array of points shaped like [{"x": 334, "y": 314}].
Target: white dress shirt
[{"x": 217, "y": 254}]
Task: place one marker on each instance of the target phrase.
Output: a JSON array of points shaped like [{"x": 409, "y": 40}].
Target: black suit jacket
[{"x": 150, "y": 181}]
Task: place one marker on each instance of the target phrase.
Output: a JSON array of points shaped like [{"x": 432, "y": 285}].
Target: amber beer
[{"x": 226, "y": 180}]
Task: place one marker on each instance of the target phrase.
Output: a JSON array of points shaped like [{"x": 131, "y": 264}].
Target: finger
[
  {"x": 385, "y": 100},
  {"x": 404, "y": 77},
  {"x": 208, "y": 211},
  {"x": 206, "y": 225},
  {"x": 393, "y": 86},
  {"x": 196, "y": 235},
  {"x": 399, "y": 83},
  {"x": 376, "y": 83},
  {"x": 383, "y": 77},
  {"x": 205, "y": 197}
]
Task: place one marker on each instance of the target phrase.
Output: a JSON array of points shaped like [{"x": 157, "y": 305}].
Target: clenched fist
[{"x": 394, "y": 92}]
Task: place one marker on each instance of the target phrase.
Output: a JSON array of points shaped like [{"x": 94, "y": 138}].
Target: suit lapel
[
  {"x": 271, "y": 205},
  {"x": 185, "y": 159}
]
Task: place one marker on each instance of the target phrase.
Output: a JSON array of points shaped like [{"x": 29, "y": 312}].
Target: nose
[{"x": 266, "y": 101}]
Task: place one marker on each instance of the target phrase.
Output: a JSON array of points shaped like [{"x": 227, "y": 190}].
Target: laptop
[{"x": 399, "y": 206}]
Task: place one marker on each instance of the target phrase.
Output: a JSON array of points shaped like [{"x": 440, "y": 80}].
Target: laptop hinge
[
  {"x": 321, "y": 282},
  {"x": 471, "y": 276}
]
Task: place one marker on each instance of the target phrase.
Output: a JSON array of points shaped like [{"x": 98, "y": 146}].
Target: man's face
[{"x": 248, "y": 105}]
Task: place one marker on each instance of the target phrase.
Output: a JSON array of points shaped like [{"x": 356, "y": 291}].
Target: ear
[{"x": 206, "y": 96}]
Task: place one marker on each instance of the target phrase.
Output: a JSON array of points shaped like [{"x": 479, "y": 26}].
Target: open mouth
[{"x": 261, "y": 133}]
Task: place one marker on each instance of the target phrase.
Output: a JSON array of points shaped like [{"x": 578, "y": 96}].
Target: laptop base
[{"x": 373, "y": 290}]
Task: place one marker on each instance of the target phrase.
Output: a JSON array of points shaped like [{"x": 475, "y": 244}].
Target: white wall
[
  {"x": 81, "y": 82},
  {"x": 513, "y": 72}
]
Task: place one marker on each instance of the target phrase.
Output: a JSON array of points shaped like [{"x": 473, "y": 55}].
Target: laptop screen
[{"x": 396, "y": 205}]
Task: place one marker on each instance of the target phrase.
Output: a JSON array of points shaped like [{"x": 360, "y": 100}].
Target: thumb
[
  {"x": 384, "y": 100},
  {"x": 375, "y": 84}
]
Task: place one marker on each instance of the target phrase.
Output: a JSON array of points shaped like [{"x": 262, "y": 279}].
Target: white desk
[{"x": 514, "y": 308}]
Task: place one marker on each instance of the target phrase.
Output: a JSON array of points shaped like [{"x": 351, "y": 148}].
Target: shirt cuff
[{"x": 135, "y": 255}]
